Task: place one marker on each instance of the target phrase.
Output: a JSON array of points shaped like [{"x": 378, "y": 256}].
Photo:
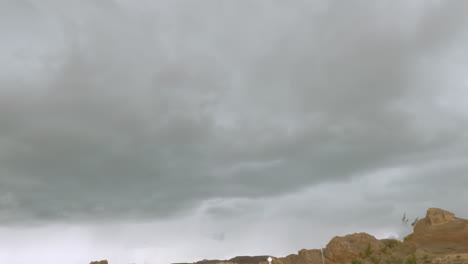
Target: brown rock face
[
  {"x": 249, "y": 260},
  {"x": 99, "y": 262},
  {"x": 305, "y": 257},
  {"x": 436, "y": 216},
  {"x": 441, "y": 232},
  {"x": 355, "y": 246}
]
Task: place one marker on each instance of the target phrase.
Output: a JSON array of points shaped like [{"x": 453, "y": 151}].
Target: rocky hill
[{"x": 438, "y": 238}]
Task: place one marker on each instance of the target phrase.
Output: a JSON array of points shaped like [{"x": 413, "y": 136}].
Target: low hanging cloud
[{"x": 114, "y": 110}]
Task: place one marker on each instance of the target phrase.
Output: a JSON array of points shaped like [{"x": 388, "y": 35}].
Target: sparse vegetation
[
  {"x": 384, "y": 250},
  {"x": 393, "y": 260},
  {"x": 391, "y": 243},
  {"x": 375, "y": 259},
  {"x": 368, "y": 251},
  {"x": 411, "y": 260}
]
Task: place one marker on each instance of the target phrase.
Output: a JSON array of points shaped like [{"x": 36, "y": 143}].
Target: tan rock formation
[
  {"x": 351, "y": 247},
  {"x": 436, "y": 216},
  {"x": 441, "y": 232}
]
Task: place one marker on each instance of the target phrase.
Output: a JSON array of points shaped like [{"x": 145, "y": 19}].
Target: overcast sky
[{"x": 171, "y": 131}]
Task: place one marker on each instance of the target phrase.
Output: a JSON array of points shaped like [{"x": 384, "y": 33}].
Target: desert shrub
[
  {"x": 375, "y": 259},
  {"x": 393, "y": 260},
  {"x": 391, "y": 243},
  {"x": 411, "y": 260},
  {"x": 384, "y": 250},
  {"x": 368, "y": 252}
]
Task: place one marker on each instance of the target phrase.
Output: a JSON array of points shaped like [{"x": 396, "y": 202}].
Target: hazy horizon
[{"x": 175, "y": 131}]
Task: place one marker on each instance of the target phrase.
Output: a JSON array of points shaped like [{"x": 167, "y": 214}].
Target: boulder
[{"x": 350, "y": 247}]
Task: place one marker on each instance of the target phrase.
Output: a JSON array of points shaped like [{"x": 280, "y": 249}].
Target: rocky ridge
[{"x": 439, "y": 238}]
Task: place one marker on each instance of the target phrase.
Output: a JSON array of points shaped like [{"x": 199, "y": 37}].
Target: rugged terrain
[{"x": 438, "y": 238}]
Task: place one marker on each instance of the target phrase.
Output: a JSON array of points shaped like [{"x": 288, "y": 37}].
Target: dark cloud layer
[{"x": 116, "y": 110}]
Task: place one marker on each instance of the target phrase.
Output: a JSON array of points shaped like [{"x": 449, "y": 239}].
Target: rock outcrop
[
  {"x": 355, "y": 246},
  {"x": 99, "y": 262},
  {"x": 440, "y": 232},
  {"x": 241, "y": 260},
  {"x": 305, "y": 256},
  {"x": 437, "y": 216},
  {"x": 439, "y": 238}
]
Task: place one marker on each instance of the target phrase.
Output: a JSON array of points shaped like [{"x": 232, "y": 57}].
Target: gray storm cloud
[{"x": 118, "y": 110}]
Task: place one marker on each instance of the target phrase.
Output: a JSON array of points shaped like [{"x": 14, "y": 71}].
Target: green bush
[
  {"x": 384, "y": 250},
  {"x": 411, "y": 260},
  {"x": 368, "y": 251},
  {"x": 375, "y": 259},
  {"x": 391, "y": 243}
]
